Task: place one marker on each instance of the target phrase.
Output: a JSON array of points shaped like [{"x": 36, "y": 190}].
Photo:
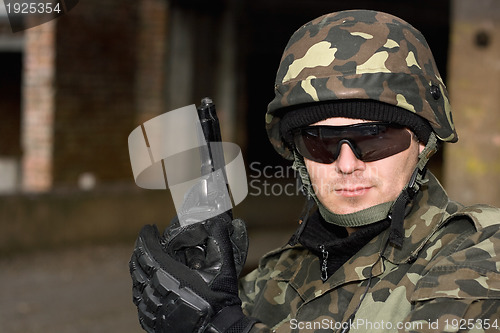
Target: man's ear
[{"x": 421, "y": 147}]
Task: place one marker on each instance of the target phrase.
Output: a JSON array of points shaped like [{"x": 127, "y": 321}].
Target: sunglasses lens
[
  {"x": 370, "y": 142},
  {"x": 313, "y": 146}
]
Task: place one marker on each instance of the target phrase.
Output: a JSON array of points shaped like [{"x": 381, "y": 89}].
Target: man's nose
[{"x": 347, "y": 162}]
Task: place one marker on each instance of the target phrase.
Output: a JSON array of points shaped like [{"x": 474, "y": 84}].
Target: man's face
[{"x": 349, "y": 185}]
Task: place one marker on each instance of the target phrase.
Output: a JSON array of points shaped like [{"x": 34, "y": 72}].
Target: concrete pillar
[
  {"x": 202, "y": 61},
  {"x": 472, "y": 166},
  {"x": 151, "y": 53},
  {"x": 38, "y": 108},
  {"x": 227, "y": 80},
  {"x": 180, "y": 59}
]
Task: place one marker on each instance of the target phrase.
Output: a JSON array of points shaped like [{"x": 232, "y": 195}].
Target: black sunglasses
[{"x": 369, "y": 141}]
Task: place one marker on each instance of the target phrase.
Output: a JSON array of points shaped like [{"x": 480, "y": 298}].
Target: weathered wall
[
  {"x": 472, "y": 166},
  {"x": 90, "y": 77},
  {"x": 96, "y": 50},
  {"x": 38, "y": 107},
  {"x": 61, "y": 219}
]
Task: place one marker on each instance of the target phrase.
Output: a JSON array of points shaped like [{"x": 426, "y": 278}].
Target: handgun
[
  {"x": 210, "y": 196},
  {"x": 212, "y": 159}
]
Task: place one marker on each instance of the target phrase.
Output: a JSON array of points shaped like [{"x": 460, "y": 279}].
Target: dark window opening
[{"x": 10, "y": 103}]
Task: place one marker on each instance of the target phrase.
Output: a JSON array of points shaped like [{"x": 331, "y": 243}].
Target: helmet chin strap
[
  {"x": 394, "y": 210},
  {"x": 397, "y": 212}
]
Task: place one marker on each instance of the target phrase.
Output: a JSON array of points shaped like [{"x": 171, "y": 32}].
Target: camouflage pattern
[
  {"x": 360, "y": 54},
  {"x": 446, "y": 277}
]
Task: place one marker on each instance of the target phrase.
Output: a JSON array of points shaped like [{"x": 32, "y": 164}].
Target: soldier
[{"x": 360, "y": 108}]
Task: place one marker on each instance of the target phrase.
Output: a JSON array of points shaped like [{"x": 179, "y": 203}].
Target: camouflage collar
[{"x": 427, "y": 214}]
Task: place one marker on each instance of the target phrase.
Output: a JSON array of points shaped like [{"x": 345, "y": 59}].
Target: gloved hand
[{"x": 186, "y": 280}]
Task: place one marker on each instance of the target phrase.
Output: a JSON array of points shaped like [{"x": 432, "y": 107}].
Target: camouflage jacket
[{"x": 445, "y": 277}]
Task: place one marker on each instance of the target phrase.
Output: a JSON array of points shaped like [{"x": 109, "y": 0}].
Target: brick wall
[
  {"x": 95, "y": 100},
  {"x": 38, "y": 107},
  {"x": 91, "y": 77}
]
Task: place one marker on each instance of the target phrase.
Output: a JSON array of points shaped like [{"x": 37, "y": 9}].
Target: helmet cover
[{"x": 359, "y": 55}]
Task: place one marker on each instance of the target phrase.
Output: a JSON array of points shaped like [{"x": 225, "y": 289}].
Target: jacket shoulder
[
  {"x": 481, "y": 215},
  {"x": 469, "y": 266}
]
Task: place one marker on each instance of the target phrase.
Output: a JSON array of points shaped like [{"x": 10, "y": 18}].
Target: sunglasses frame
[{"x": 351, "y": 135}]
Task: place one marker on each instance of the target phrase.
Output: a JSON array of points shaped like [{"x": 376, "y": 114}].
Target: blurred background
[{"x": 72, "y": 90}]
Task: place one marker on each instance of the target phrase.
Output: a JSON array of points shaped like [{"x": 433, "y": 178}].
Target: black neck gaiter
[{"x": 319, "y": 236}]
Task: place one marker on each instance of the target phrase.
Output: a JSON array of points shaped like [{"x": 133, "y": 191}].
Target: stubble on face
[{"x": 365, "y": 184}]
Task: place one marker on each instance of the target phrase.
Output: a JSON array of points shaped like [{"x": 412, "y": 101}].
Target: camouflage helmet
[{"x": 359, "y": 55}]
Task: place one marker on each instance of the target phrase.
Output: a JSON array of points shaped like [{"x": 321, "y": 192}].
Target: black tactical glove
[{"x": 186, "y": 280}]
